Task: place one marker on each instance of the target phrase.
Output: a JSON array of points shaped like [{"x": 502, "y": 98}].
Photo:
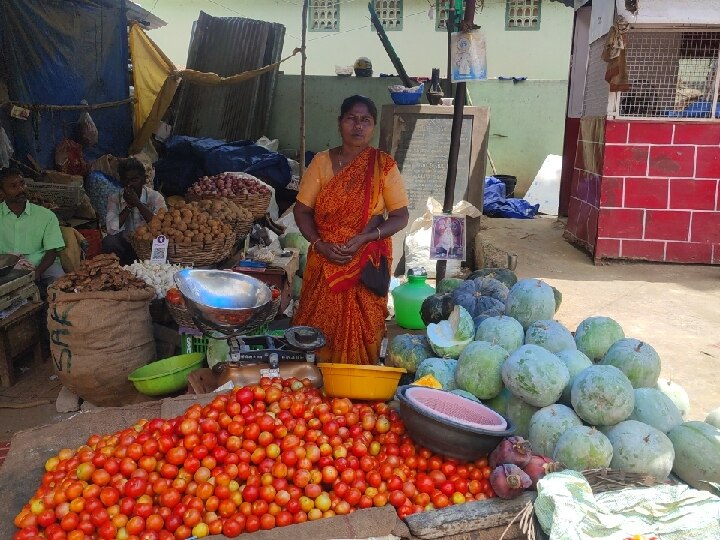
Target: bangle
[
  {"x": 378, "y": 230},
  {"x": 312, "y": 246}
]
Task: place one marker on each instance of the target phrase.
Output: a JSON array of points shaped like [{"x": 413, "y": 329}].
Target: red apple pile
[
  {"x": 228, "y": 185},
  {"x": 259, "y": 457}
]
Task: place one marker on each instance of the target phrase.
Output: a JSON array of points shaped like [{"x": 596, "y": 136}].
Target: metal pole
[
  {"x": 303, "y": 59},
  {"x": 455, "y": 133}
]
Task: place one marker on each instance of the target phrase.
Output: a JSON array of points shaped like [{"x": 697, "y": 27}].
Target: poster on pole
[
  {"x": 469, "y": 57},
  {"x": 448, "y": 238}
]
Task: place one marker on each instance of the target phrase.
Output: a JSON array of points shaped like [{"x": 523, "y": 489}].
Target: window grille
[
  {"x": 442, "y": 12},
  {"x": 390, "y": 14},
  {"x": 324, "y": 16},
  {"x": 522, "y": 14},
  {"x": 673, "y": 73}
]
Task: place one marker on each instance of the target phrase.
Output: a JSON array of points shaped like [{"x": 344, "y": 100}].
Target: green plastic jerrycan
[{"x": 408, "y": 299}]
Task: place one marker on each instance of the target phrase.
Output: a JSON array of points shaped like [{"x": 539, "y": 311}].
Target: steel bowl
[
  {"x": 7, "y": 263},
  {"x": 224, "y": 300},
  {"x": 445, "y": 437}
]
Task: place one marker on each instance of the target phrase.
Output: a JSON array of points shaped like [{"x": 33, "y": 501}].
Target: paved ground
[{"x": 674, "y": 308}]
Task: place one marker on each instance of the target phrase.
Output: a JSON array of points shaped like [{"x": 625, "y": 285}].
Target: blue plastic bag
[
  {"x": 496, "y": 205},
  {"x": 99, "y": 187}
]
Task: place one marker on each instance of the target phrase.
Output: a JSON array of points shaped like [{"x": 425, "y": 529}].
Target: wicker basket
[
  {"x": 181, "y": 315},
  {"x": 193, "y": 254},
  {"x": 258, "y": 204}
]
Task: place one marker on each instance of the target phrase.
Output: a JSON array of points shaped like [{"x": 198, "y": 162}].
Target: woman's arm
[
  {"x": 378, "y": 229},
  {"x": 305, "y": 220}
]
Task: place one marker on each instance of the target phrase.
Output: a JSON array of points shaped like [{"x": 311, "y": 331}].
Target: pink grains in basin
[{"x": 449, "y": 406}]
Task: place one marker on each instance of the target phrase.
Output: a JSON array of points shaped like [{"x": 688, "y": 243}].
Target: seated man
[
  {"x": 29, "y": 230},
  {"x": 129, "y": 209}
]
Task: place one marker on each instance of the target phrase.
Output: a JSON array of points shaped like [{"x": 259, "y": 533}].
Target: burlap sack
[{"x": 97, "y": 339}]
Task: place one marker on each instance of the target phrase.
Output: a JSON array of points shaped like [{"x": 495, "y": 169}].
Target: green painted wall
[
  {"x": 541, "y": 54},
  {"x": 526, "y": 119}
]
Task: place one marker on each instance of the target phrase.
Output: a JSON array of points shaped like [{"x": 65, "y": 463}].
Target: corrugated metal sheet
[{"x": 227, "y": 46}]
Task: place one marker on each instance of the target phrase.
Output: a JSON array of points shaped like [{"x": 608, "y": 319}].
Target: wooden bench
[{"x": 20, "y": 333}]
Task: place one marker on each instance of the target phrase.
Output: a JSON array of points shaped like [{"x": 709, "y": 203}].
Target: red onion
[
  {"x": 509, "y": 481},
  {"x": 538, "y": 467},
  {"x": 514, "y": 450}
]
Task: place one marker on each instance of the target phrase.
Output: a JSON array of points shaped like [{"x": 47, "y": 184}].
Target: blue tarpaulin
[
  {"x": 59, "y": 52},
  {"x": 496, "y": 205},
  {"x": 188, "y": 158}
]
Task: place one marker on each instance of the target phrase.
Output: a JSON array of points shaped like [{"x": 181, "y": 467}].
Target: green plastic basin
[{"x": 166, "y": 376}]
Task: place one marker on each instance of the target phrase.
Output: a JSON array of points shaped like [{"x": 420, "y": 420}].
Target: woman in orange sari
[{"x": 351, "y": 201}]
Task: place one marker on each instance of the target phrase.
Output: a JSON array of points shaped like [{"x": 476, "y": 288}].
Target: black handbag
[{"x": 376, "y": 278}]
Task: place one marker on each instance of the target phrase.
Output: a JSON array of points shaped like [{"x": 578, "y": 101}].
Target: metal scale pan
[{"x": 233, "y": 305}]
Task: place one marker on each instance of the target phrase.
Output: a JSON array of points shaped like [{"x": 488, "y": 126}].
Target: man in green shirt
[{"x": 29, "y": 230}]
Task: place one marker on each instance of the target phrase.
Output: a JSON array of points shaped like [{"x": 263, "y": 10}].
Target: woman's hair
[
  {"x": 351, "y": 101},
  {"x": 130, "y": 164}
]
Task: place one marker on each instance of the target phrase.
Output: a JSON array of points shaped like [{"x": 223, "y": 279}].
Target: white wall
[
  {"x": 542, "y": 54},
  {"x": 674, "y": 12}
]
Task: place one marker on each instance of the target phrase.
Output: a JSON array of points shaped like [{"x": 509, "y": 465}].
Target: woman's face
[{"x": 357, "y": 126}]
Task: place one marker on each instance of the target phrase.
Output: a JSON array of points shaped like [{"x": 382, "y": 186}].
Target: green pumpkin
[
  {"x": 503, "y": 275},
  {"x": 436, "y": 308},
  {"x": 408, "y": 351}
]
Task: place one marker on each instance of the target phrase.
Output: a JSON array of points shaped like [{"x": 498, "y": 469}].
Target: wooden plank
[{"x": 466, "y": 518}]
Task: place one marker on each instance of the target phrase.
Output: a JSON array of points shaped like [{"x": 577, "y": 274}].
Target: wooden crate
[
  {"x": 19, "y": 333},
  {"x": 28, "y": 292}
]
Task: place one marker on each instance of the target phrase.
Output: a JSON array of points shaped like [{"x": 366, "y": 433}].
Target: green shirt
[{"x": 31, "y": 234}]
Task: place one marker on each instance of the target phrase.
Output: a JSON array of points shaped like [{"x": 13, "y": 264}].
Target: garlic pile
[{"x": 158, "y": 276}]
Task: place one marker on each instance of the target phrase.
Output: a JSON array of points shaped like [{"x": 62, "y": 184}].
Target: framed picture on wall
[{"x": 448, "y": 238}]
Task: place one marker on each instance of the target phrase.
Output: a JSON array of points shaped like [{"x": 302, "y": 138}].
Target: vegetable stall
[{"x": 505, "y": 419}]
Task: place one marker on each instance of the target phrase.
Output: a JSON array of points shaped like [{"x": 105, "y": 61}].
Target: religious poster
[
  {"x": 448, "y": 238},
  {"x": 469, "y": 59}
]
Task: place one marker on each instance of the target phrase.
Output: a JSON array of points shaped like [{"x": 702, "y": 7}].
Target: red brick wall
[
  {"x": 584, "y": 201},
  {"x": 659, "y": 192}
]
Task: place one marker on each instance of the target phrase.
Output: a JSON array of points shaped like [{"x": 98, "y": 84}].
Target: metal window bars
[{"x": 673, "y": 74}]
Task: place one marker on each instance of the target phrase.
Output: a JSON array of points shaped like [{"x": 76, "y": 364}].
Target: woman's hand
[
  {"x": 332, "y": 252},
  {"x": 354, "y": 244}
]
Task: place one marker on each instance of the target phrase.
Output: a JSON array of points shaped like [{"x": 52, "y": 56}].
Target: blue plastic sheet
[
  {"x": 188, "y": 158},
  {"x": 59, "y": 53},
  {"x": 496, "y": 205}
]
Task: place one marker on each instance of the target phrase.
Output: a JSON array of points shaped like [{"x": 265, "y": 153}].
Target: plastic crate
[
  {"x": 192, "y": 341},
  {"x": 62, "y": 195}
]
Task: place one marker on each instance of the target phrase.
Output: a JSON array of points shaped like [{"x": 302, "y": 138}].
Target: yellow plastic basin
[{"x": 360, "y": 382}]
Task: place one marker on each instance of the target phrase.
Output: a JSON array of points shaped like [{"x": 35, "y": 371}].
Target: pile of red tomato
[{"x": 260, "y": 457}]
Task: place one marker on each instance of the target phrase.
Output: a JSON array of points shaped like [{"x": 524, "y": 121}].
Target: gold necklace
[{"x": 340, "y": 161}]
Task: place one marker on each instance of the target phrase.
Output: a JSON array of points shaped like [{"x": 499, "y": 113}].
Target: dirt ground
[{"x": 672, "y": 307}]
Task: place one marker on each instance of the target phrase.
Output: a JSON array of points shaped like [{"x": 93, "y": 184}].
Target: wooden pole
[
  {"x": 450, "y": 25},
  {"x": 459, "y": 105},
  {"x": 303, "y": 60}
]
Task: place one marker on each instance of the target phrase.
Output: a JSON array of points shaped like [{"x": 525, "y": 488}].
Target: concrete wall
[
  {"x": 541, "y": 54},
  {"x": 526, "y": 119}
]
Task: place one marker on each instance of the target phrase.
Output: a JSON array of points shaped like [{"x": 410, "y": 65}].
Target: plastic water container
[{"x": 408, "y": 299}]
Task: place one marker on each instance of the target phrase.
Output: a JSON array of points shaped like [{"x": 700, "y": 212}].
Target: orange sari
[{"x": 333, "y": 299}]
